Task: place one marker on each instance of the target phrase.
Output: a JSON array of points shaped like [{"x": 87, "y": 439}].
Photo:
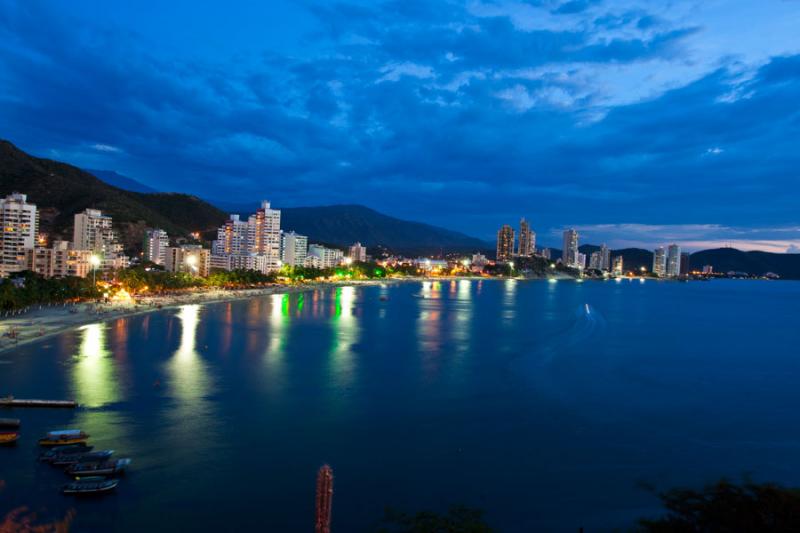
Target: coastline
[{"x": 45, "y": 322}]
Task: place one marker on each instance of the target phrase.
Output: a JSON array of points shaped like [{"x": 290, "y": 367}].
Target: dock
[
  {"x": 9, "y": 422},
  {"x": 10, "y": 401}
]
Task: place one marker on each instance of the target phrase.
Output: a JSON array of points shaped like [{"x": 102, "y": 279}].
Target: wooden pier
[{"x": 10, "y": 401}]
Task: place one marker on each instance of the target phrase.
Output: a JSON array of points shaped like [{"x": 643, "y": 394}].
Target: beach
[{"x": 40, "y": 322}]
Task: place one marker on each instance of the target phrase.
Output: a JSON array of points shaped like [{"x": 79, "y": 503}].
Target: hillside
[
  {"x": 61, "y": 190},
  {"x": 726, "y": 259},
  {"x": 119, "y": 181},
  {"x": 345, "y": 224}
]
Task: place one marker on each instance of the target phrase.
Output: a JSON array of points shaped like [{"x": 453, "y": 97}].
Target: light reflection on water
[
  {"x": 94, "y": 375},
  {"x": 345, "y": 335}
]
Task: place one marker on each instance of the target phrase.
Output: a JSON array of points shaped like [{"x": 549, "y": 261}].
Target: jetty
[
  {"x": 9, "y": 422},
  {"x": 10, "y": 401}
]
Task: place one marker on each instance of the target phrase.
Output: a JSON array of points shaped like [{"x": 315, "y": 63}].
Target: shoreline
[{"x": 46, "y": 322}]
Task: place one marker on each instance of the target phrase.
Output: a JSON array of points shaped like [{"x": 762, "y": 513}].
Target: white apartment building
[
  {"x": 93, "y": 231},
  {"x": 156, "y": 242},
  {"x": 569, "y": 253},
  {"x": 20, "y": 228},
  {"x": 321, "y": 257},
  {"x": 673, "y": 261},
  {"x": 240, "y": 262},
  {"x": 294, "y": 249},
  {"x": 60, "y": 261},
  {"x": 231, "y": 237}
]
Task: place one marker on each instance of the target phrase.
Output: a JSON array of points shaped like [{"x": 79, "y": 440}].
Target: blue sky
[{"x": 637, "y": 122}]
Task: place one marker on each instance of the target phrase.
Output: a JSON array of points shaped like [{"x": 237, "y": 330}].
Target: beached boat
[
  {"x": 90, "y": 485},
  {"x": 80, "y": 448},
  {"x": 63, "y": 437},
  {"x": 105, "y": 468},
  {"x": 8, "y": 437},
  {"x": 75, "y": 458}
]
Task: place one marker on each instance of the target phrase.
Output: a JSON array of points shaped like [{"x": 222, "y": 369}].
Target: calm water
[{"x": 549, "y": 405}]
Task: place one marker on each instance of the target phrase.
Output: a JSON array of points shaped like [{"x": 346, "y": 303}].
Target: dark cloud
[{"x": 423, "y": 109}]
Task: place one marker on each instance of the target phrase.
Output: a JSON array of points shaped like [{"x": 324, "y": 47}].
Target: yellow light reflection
[
  {"x": 346, "y": 333},
  {"x": 94, "y": 376},
  {"x": 189, "y": 376}
]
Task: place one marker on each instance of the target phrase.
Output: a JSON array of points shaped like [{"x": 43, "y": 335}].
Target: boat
[
  {"x": 66, "y": 436},
  {"x": 79, "y": 448},
  {"x": 90, "y": 485},
  {"x": 75, "y": 458},
  {"x": 111, "y": 467},
  {"x": 8, "y": 437},
  {"x": 9, "y": 422}
]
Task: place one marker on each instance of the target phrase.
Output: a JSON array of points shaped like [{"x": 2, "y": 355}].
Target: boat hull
[
  {"x": 90, "y": 489},
  {"x": 8, "y": 438},
  {"x": 63, "y": 442}
]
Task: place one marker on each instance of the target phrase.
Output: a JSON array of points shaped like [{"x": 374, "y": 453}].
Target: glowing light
[
  {"x": 94, "y": 260},
  {"x": 552, "y": 280},
  {"x": 191, "y": 260},
  {"x": 552, "y": 265},
  {"x": 348, "y": 260}
]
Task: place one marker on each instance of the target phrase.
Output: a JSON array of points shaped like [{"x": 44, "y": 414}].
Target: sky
[{"x": 639, "y": 123}]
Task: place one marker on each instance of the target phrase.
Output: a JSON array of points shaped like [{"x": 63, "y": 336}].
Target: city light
[{"x": 94, "y": 260}]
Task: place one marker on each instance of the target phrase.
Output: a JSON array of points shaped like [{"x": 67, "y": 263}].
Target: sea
[{"x": 547, "y": 405}]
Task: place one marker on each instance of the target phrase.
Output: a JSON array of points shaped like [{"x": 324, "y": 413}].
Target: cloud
[
  {"x": 473, "y": 114},
  {"x": 106, "y": 148}
]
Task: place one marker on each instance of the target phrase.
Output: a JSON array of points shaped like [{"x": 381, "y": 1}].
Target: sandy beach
[{"x": 41, "y": 322}]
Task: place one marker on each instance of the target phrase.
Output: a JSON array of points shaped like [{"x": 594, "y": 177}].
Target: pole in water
[{"x": 324, "y": 499}]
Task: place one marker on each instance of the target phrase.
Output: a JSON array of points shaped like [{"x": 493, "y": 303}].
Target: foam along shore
[{"x": 40, "y": 322}]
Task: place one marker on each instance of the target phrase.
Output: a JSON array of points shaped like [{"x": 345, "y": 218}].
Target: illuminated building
[
  {"x": 357, "y": 252},
  {"x": 580, "y": 261},
  {"x": 93, "y": 231},
  {"x": 505, "y": 243},
  {"x": 479, "y": 260},
  {"x": 546, "y": 253},
  {"x": 59, "y": 261},
  {"x": 264, "y": 234},
  {"x": 618, "y": 266},
  {"x": 294, "y": 249},
  {"x": 321, "y": 257},
  {"x": 191, "y": 258},
  {"x": 231, "y": 237},
  {"x": 569, "y": 253},
  {"x": 595, "y": 261},
  {"x": 527, "y": 239},
  {"x": 673, "y": 261},
  {"x": 660, "y": 262},
  {"x": 155, "y": 245},
  {"x": 20, "y": 226},
  {"x": 240, "y": 262},
  {"x": 605, "y": 257},
  {"x": 708, "y": 269}
]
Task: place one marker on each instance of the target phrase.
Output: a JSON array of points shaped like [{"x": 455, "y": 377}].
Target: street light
[
  {"x": 94, "y": 260},
  {"x": 191, "y": 260}
]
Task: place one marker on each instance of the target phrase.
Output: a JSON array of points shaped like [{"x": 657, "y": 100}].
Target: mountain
[
  {"x": 61, "y": 190},
  {"x": 787, "y": 266},
  {"x": 342, "y": 225},
  {"x": 345, "y": 224},
  {"x": 119, "y": 181}
]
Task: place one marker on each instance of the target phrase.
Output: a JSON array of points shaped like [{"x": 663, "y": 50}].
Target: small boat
[
  {"x": 66, "y": 436},
  {"x": 76, "y": 458},
  {"x": 104, "y": 468},
  {"x": 9, "y": 422},
  {"x": 90, "y": 485},
  {"x": 8, "y": 437},
  {"x": 80, "y": 448}
]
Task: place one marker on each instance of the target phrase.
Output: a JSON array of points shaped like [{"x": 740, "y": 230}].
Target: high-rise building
[
  {"x": 569, "y": 254},
  {"x": 357, "y": 252},
  {"x": 190, "y": 258},
  {"x": 527, "y": 239},
  {"x": 239, "y": 262},
  {"x": 294, "y": 249},
  {"x": 93, "y": 231},
  {"x": 231, "y": 237},
  {"x": 617, "y": 270},
  {"x": 60, "y": 261},
  {"x": 20, "y": 227},
  {"x": 505, "y": 243},
  {"x": 685, "y": 264},
  {"x": 605, "y": 257},
  {"x": 673, "y": 260},
  {"x": 546, "y": 253},
  {"x": 580, "y": 261},
  {"x": 264, "y": 234},
  {"x": 596, "y": 261},
  {"x": 660, "y": 262},
  {"x": 155, "y": 246}
]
